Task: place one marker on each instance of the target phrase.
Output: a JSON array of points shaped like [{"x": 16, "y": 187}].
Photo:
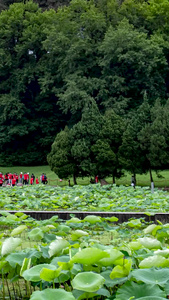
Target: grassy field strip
[{"x": 142, "y": 180}]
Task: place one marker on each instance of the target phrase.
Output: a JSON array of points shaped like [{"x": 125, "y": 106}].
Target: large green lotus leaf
[
  {"x": 92, "y": 219},
  {"x": 162, "y": 234},
  {"x": 63, "y": 258},
  {"x": 139, "y": 291},
  {"x": 73, "y": 220},
  {"x": 50, "y": 294},
  {"x": 33, "y": 274},
  {"x": 155, "y": 230},
  {"x": 150, "y": 228},
  {"x": 134, "y": 223},
  {"x": 135, "y": 245},
  {"x": 154, "y": 261},
  {"x": 49, "y": 275},
  {"x": 88, "y": 282},
  {"x": 152, "y": 276},
  {"x": 150, "y": 243},
  {"x": 16, "y": 258},
  {"x": 114, "y": 255},
  {"x": 164, "y": 252},
  {"x": 36, "y": 234},
  {"x": 63, "y": 228},
  {"x": 49, "y": 237},
  {"x": 9, "y": 245},
  {"x": 57, "y": 246},
  {"x": 12, "y": 217},
  {"x": 49, "y": 227},
  {"x": 77, "y": 234},
  {"x": 89, "y": 256},
  {"x": 18, "y": 230},
  {"x": 112, "y": 219},
  {"x": 122, "y": 271}
]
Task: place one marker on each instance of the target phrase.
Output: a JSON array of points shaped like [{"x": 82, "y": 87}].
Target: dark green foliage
[
  {"x": 97, "y": 67},
  {"x": 28, "y": 120},
  {"x": 60, "y": 159}
]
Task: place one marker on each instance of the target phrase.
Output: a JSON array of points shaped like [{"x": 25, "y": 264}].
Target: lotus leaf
[
  {"x": 164, "y": 252},
  {"x": 139, "y": 291},
  {"x": 77, "y": 234},
  {"x": 36, "y": 234},
  {"x": 135, "y": 245},
  {"x": 92, "y": 219},
  {"x": 73, "y": 220},
  {"x": 63, "y": 228},
  {"x": 16, "y": 258},
  {"x": 88, "y": 282},
  {"x": 50, "y": 294},
  {"x": 10, "y": 245},
  {"x": 114, "y": 255},
  {"x": 121, "y": 271},
  {"x": 150, "y": 243},
  {"x": 49, "y": 275},
  {"x": 154, "y": 261},
  {"x": 150, "y": 228},
  {"x": 152, "y": 276},
  {"x": 57, "y": 247},
  {"x": 134, "y": 223},
  {"x": 89, "y": 256},
  {"x": 33, "y": 274},
  {"x": 18, "y": 230}
]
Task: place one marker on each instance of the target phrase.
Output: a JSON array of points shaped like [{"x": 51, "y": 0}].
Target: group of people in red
[{"x": 15, "y": 179}]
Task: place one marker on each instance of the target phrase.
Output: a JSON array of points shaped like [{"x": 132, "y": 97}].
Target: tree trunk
[
  {"x": 151, "y": 176},
  {"x": 135, "y": 178},
  {"x": 74, "y": 179},
  {"x": 152, "y": 182}
]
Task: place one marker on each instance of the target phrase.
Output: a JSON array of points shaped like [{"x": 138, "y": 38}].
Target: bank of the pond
[{"x": 122, "y": 216}]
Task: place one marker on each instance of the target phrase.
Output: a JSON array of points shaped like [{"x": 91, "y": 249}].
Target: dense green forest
[{"x": 90, "y": 76}]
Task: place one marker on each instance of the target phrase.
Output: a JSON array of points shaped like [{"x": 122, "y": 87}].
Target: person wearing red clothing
[
  {"x": 13, "y": 181},
  {"x": 20, "y": 177},
  {"x": 1, "y": 181},
  {"x": 16, "y": 177},
  {"x": 37, "y": 180},
  {"x": 96, "y": 179},
  {"x": 10, "y": 176},
  {"x": 25, "y": 178},
  {"x": 31, "y": 181},
  {"x": 6, "y": 178}
]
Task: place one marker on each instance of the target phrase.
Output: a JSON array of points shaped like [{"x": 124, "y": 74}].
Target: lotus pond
[
  {"x": 82, "y": 198},
  {"x": 93, "y": 258}
]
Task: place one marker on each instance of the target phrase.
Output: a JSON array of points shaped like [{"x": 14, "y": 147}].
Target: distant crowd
[{"x": 21, "y": 179}]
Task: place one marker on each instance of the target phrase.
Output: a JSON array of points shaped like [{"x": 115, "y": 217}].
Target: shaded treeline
[{"x": 98, "y": 67}]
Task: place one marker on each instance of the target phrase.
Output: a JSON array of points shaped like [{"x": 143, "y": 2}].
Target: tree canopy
[{"x": 89, "y": 77}]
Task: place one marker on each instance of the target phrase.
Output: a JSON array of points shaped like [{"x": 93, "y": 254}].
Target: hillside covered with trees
[{"x": 90, "y": 76}]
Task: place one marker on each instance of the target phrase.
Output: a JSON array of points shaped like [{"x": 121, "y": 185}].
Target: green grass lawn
[{"x": 142, "y": 180}]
